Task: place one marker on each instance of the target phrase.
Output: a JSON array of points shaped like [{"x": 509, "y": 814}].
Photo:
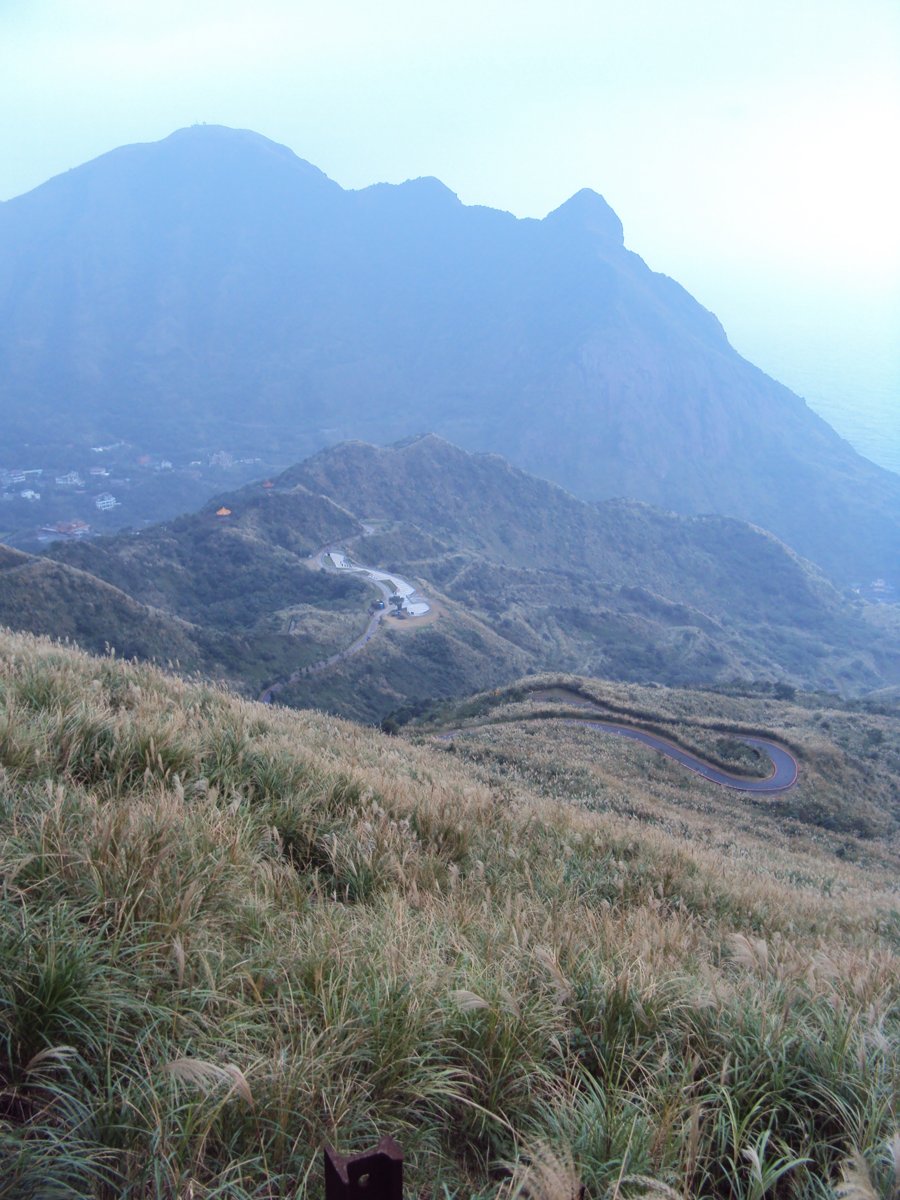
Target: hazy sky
[{"x": 749, "y": 146}]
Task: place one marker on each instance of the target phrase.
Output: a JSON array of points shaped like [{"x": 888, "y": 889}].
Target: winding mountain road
[
  {"x": 387, "y": 583},
  {"x": 784, "y": 765},
  {"x": 783, "y": 775}
]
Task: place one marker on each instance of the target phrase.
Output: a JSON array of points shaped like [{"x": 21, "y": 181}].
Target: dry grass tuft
[
  {"x": 856, "y": 1180},
  {"x": 208, "y": 1077},
  {"x": 545, "y": 1173}
]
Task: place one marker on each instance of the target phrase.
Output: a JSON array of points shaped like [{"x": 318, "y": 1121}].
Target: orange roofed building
[{"x": 223, "y": 511}]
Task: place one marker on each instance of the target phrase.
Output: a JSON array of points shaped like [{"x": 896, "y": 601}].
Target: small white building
[
  {"x": 28, "y": 494},
  {"x": 105, "y": 502}
]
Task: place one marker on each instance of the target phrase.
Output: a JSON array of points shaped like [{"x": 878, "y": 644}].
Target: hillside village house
[
  {"x": 67, "y": 529},
  {"x": 106, "y": 501}
]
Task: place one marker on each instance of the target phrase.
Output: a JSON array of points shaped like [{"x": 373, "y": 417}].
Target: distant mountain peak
[
  {"x": 216, "y": 139},
  {"x": 224, "y": 135},
  {"x": 203, "y": 130},
  {"x": 416, "y": 439},
  {"x": 213, "y": 289},
  {"x": 216, "y": 153},
  {"x": 425, "y": 194},
  {"x": 430, "y": 185},
  {"x": 588, "y": 210}
]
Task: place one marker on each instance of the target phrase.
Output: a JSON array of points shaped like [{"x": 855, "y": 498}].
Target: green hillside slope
[
  {"x": 521, "y": 574},
  {"x": 200, "y": 635},
  {"x": 619, "y": 588}
]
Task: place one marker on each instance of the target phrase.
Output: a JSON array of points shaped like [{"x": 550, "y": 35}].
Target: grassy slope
[
  {"x": 454, "y": 655},
  {"x": 232, "y": 932},
  {"x": 67, "y": 603}
]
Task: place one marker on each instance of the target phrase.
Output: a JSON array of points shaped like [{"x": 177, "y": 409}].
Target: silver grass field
[{"x": 229, "y": 934}]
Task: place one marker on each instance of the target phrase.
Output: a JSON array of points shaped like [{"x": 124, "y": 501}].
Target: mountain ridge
[{"x": 521, "y": 575}]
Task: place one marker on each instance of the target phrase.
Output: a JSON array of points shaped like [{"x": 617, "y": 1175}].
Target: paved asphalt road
[{"x": 784, "y": 765}]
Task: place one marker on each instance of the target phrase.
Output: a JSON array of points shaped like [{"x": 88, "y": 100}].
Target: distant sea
[
  {"x": 835, "y": 341},
  {"x": 860, "y": 400},
  {"x": 865, "y": 422},
  {"x": 847, "y": 371}
]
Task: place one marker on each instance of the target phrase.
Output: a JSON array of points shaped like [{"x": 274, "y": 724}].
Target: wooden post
[{"x": 374, "y": 1175}]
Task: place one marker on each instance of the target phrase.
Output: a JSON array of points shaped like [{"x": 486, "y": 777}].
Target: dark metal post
[{"x": 374, "y": 1175}]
